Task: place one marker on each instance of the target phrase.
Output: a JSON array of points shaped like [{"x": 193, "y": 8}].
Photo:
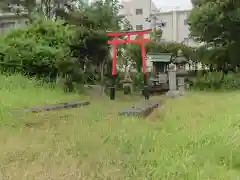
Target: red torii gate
[{"x": 141, "y": 41}]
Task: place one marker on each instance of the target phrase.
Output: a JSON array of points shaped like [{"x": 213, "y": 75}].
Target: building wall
[
  {"x": 11, "y": 20},
  {"x": 176, "y": 28},
  {"x": 168, "y": 30},
  {"x": 129, "y": 10}
]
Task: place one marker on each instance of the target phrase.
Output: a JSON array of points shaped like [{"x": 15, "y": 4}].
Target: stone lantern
[
  {"x": 180, "y": 61},
  {"x": 127, "y": 84},
  {"x": 172, "y": 81}
]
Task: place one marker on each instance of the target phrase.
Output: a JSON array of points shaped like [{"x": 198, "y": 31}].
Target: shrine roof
[{"x": 159, "y": 57}]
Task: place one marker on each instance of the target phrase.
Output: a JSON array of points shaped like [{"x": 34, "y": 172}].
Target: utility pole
[
  {"x": 154, "y": 24},
  {"x": 153, "y": 20}
]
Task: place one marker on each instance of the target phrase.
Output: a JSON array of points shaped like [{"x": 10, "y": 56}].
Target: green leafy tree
[
  {"x": 195, "y": 2},
  {"x": 217, "y": 23},
  {"x": 41, "y": 49},
  {"x": 44, "y": 8},
  {"x": 157, "y": 35},
  {"x": 91, "y": 23},
  {"x": 126, "y": 25},
  {"x": 134, "y": 51}
]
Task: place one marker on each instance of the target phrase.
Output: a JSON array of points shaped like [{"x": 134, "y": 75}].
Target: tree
[
  {"x": 99, "y": 15},
  {"x": 91, "y": 23},
  {"x": 45, "y": 8},
  {"x": 157, "y": 35},
  {"x": 217, "y": 23},
  {"x": 195, "y": 2},
  {"x": 126, "y": 25}
]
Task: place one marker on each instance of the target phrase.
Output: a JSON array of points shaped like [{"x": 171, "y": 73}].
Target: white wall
[
  {"x": 176, "y": 28},
  {"x": 182, "y": 28},
  {"x": 129, "y": 11},
  {"x": 168, "y": 30}
]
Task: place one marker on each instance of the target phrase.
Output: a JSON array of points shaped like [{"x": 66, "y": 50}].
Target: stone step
[
  {"x": 52, "y": 107},
  {"x": 141, "y": 109}
]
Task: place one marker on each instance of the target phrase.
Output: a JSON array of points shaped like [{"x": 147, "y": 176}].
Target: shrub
[
  {"x": 138, "y": 80},
  {"x": 40, "y": 49},
  {"x": 214, "y": 81}
]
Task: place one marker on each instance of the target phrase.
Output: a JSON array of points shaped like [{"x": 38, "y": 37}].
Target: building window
[
  {"x": 139, "y": 27},
  {"x": 185, "y": 22},
  {"x": 7, "y": 25},
  {"x": 139, "y": 11}
]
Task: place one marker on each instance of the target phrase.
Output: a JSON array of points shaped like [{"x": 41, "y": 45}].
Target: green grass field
[{"x": 195, "y": 137}]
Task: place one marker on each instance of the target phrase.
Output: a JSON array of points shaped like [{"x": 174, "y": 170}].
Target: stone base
[
  {"x": 142, "y": 109},
  {"x": 174, "y": 94},
  {"x": 97, "y": 90},
  {"x": 127, "y": 90},
  {"x": 52, "y": 107}
]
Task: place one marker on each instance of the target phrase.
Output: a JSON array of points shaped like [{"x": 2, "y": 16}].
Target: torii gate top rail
[{"x": 124, "y": 33}]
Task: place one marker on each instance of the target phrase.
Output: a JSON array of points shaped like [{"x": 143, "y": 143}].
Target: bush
[
  {"x": 40, "y": 49},
  {"x": 214, "y": 81},
  {"x": 138, "y": 80}
]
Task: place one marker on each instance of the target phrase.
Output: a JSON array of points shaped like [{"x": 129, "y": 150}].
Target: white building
[
  {"x": 176, "y": 26},
  {"x": 136, "y": 11},
  {"x": 175, "y": 20},
  {"x": 11, "y": 20}
]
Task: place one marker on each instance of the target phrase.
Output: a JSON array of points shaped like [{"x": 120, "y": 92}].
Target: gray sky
[{"x": 182, "y": 4}]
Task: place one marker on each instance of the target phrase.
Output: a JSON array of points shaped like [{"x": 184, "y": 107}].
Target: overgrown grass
[
  {"x": 194, "y": 137},
  {"x": 18, "y": 92}
]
